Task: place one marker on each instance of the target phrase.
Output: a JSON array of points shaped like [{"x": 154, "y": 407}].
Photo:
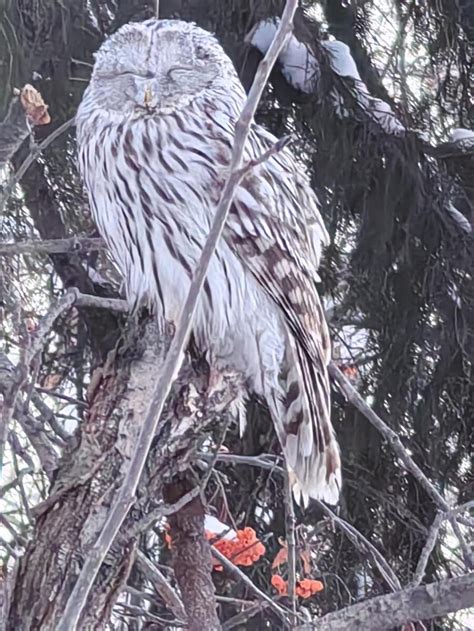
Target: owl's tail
[{"x": 303, "y": 424}]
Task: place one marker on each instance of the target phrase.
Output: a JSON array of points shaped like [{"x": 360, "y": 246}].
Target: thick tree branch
[
  {"x": 192, "y": 564},
  {"x": 393, "y": 610}
]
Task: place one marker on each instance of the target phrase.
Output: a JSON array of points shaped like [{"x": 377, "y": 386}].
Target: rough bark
[
  {"x": 192, "y": 563},
  {"x": 420, "y": 603},
  {"x": 69, "y": 521},
  {"x": 85, "y": 484}
]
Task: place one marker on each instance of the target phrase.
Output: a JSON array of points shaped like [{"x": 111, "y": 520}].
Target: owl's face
[{"x": 158, "y": 65}]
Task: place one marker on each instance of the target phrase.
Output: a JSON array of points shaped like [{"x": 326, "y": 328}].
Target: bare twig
[
  {"x": 39, "y": 440},
  {"x": 28, "y": 161},
  {"x": 13, "y": 131},
  {"x": 431, "y": 541},
  {"x": 163, "y": 511},
  {"x": 57, "y": 395},
  {"x": 393, "y": 610},
  {"x": 243, "y": 617},
  {"x": 396, "y": 444},
  {"x": 162, "y": 586},
  {"x": 35, "y": 343},
  {"x": 268, "y": 462},
  {"x": 47, "y": 321},
  {"x": 132, "y": 611},
  {"x": 427, "y": 549},
  {"x": 11, "y": 485},
  {"x": 53, "y": 246},
  {"x": 291, "y": 543},
  {"x": 173, "y": 360},
  {"x": 16, "y": 536},
  {"x": 360, "y": 541},
  {"x": 233, "y": 569}
]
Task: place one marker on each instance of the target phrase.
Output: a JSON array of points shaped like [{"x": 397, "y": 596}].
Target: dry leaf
[
  {"x": 35, "y": 108},
  {"x": 305, "y": 559},
  {"x": 52, "y": 381},
  {"x": 282, "y": 554}
]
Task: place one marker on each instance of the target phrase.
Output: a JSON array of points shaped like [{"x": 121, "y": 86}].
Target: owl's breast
[{"x": 154, "y": 187}]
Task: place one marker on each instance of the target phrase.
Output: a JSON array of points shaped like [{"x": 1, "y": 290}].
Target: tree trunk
[
  {"x": 69, "y": 521},
  {"x": 192, "y": 562}
]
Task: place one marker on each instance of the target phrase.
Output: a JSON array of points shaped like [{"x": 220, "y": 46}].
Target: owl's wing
[{"x": 276, "y": 230}]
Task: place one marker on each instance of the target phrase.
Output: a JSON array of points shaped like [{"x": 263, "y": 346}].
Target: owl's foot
[{"x": 215, "y": 382}]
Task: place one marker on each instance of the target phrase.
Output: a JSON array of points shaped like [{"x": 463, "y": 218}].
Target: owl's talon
[{"x": 215, "y": 382}]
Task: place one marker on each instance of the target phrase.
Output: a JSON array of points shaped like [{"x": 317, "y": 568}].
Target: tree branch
[
  {"x": 13, "y": 131},
  {"x": 393, "y": 610},
  {"x": 32, "y": 156},
  {"x": 233, "y": 569},
  {"x": 392, "y": 437},
  {"x": 431, "y": 541},
  {"x": 53, "y": 246},
  {"x": 162, "y": 586}
]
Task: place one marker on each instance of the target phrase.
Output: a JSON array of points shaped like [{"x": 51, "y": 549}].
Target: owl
[{"x": 155, "y": 132}]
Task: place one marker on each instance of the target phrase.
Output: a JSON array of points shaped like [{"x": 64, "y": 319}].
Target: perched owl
[{"x": 155, "y": 133}]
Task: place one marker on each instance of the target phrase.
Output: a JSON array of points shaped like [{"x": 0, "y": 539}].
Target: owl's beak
[{"x": 148, "y": 98}]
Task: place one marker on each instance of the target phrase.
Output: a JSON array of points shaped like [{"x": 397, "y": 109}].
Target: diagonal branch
[
  {"x": 233, "y": 569},
  {"x": 431, "y": 541},
  {"x": 162, "y": 586},
  {"x": 172, "y": 363},
  {"x": 29, "y": 160},
  {"x": 393, "y": 610},
  {"x": 396, "y": 444}
]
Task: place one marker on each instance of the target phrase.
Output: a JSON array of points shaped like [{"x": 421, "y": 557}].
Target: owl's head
[{"x": 160, "y": 65}]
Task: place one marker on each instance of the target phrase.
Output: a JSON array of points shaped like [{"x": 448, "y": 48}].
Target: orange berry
[
  {"x": 307, "y": 587},
  {"x": 280, "y": 584}
]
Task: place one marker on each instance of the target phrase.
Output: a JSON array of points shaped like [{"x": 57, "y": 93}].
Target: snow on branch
[
  {"x": 464, "y": 138},
  {"x": 302, "y": 70},
  {"x": 459, "y": 218}
]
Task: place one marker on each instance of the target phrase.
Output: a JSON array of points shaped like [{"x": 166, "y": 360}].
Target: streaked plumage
[{"x": 155, "y": 133}]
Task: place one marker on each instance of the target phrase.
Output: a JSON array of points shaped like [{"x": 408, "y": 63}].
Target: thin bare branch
[
  {"x": 361, "y": 542},
  {"x": 34, "y": 345},
  {"x": 233, "y": 569},
  {"x": 431, "y": 541},
  {"x": 291, "y": 543},
  {"x": 53, "y": 246},
  {"x": 396, "y": 444},
  {"x": 244, "y": 616},
  {"x": 14, "y": 129},
  {"x": 162, "y": 586},
  {"x": 163, "y": 511},
  {"x": 32, "y": 156}
]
